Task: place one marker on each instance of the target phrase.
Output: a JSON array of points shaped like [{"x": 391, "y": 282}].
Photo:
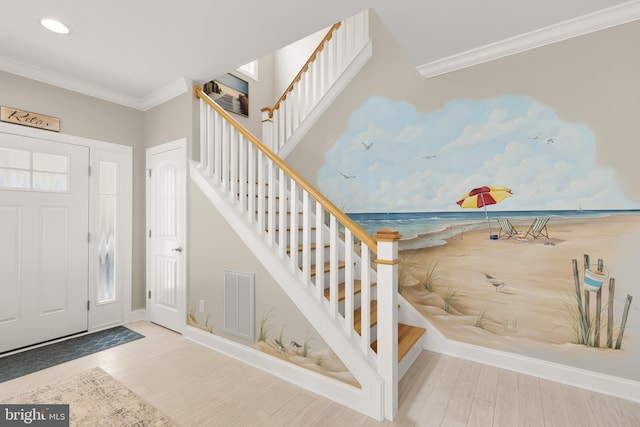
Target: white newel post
[
  {"x": 267, "y": 129},
  {"x": 388, "y": 317}
]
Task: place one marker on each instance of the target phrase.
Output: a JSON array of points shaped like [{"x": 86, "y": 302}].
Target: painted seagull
[
  {"x": 550, "y": 141},
  {"x": 279, "y": 347},
  {"x": 296, "y": 346},
  {"x": 535, "y": 137},
  {"x": 496, "y": 284},
  {"x": 347, "y": 176},
  {"x": 366, "y": 146},
  {"x": 429, "y": 157}
]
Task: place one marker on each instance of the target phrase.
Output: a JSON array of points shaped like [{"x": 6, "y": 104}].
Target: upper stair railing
[
  {"x": 274, "y": 199},
  {"x": 342, "y": 44}
]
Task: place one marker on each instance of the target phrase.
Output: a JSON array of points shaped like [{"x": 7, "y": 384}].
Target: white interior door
[
  {"x": 166, "y": 223},
  {"x": 44, "y": 226}
]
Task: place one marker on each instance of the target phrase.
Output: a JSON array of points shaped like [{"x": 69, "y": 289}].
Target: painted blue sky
[{"x": 397, "y": 159}]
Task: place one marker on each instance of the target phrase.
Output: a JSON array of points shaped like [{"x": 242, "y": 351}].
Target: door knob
[{"x": 178, "y": 249}]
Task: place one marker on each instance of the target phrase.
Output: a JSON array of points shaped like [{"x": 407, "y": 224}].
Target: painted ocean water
[{"x": 426, "y": 229}]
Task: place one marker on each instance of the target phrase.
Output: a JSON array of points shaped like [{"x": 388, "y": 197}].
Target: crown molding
[
  {"x": 164, "y": 94},
  {"x": 596, "y": 21},
  {"x": 161, "y": 95}
]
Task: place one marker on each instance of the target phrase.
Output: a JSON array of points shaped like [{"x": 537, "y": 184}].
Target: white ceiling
[{"x": 133, "y": 51}]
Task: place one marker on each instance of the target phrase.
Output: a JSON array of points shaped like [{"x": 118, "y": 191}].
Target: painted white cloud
[{"x": 402, "y": 160}]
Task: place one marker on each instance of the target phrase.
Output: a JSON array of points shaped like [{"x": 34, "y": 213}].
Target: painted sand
[
  {"x": 324, "y": 362},
  {"x": 530, "y": 313}
]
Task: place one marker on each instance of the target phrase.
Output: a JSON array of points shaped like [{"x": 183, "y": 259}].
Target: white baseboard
[
  {"x": 557, "y": 372},
  {"x": 337, "y": 391},
  {"x": 138, "y": 315}
]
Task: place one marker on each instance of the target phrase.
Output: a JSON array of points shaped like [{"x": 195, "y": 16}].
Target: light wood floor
[{"x": 199, "y": 387}]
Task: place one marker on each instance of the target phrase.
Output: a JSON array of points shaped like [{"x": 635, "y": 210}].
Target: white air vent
[{"x": 239, "y": 316}]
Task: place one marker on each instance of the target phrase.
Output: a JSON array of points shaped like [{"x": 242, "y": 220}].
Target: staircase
[
  {"x": 342, "y": 280},
  {"x": 340, "y": 55}
]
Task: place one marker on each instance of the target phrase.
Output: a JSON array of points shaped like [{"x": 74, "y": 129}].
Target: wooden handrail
[
  {"x": 304, "y": 68},
  {"x": 326, "y": 203}
]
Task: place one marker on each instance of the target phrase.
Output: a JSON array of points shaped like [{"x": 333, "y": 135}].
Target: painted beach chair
[
  {"x": 538, "y": 228},
  {"x": 506, "y": 228}
]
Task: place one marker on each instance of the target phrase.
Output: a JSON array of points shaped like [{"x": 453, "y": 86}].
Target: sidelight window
[{"x": 107, "y": 226}]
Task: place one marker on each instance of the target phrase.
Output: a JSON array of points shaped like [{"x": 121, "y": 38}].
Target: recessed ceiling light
[{"x": 55, "y": 26}]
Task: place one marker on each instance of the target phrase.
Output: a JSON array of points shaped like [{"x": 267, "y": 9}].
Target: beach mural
[
  {"x": 299, "y": 350},
  {"x": 274, "y": 340},
  {"x": 515, "y": 236}
]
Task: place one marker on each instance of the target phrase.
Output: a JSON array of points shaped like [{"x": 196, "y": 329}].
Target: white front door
[
  {"x": 44, "y": 226},
  {"x": 166, "y": 227}
]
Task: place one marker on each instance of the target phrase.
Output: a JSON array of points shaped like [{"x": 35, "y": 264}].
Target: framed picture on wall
[{"x": 230, "y": 92}]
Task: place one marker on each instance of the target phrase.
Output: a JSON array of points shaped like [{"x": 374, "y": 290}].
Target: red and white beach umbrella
[{"x": 482, "y": 196}]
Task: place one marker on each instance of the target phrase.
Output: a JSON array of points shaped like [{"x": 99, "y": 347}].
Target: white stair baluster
[
  {"x": 271, "y": 203},
  {"x": 260, "y": 182},
  {"x": 293, "y": 230},
  {"x": 306, "y": 238},
  {"x": 365, "y": 299},
  {"x": 333, "y": 262},
  {"x": 251, "y": 182},
  {"x": 319, "y": 250},
  {"x": 349, "y": 305},
  {"x": 282, "y": 218},
  {"x": 243, "y": 173}
]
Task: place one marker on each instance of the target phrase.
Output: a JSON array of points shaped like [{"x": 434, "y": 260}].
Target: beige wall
[
  {"x": 88, "y": 117},
  {"x": 289, "y": 60},
  {"x": 591, "y": 80},
  {"x": 169, "y": 121},
  {"x": 80, "y": 115}
]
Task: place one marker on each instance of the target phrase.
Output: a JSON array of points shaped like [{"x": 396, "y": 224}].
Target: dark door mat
[{"x": 26, "y": 362}]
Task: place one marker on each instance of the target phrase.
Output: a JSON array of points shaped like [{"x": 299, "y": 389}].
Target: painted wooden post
[
  {"x": 587, "y": 294},
  {"x": 576, "y": 281},
  {"x": 596, "y": 333},
  {"x": 612, "y": 289},
  {"x": 623, "y": 324},
  {"x": 267, "y": 129},
  {"x": 388, "y": 317}
]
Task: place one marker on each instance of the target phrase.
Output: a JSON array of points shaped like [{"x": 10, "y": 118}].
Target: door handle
[{"x": 178, "y": 249}]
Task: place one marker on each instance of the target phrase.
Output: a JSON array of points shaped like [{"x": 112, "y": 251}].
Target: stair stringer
[
  {"x": 350, "y": 71},
  {"x": 369, "y": 398}
]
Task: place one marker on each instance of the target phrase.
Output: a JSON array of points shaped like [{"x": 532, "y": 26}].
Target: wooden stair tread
[
  {"x": 327, "y": 267},
  {"x": 373, "y": 317},
  {"x": 357, "y": 288},
  {"x": 407, "y": 336}
]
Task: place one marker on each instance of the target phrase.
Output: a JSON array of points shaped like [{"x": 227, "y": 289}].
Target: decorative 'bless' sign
[{"x": 26, "y": 118}]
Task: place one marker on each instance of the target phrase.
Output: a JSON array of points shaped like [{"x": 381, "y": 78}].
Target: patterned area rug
[
  {"x": 95, "y": 398},
  {"x": 26, "y": 362}
]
